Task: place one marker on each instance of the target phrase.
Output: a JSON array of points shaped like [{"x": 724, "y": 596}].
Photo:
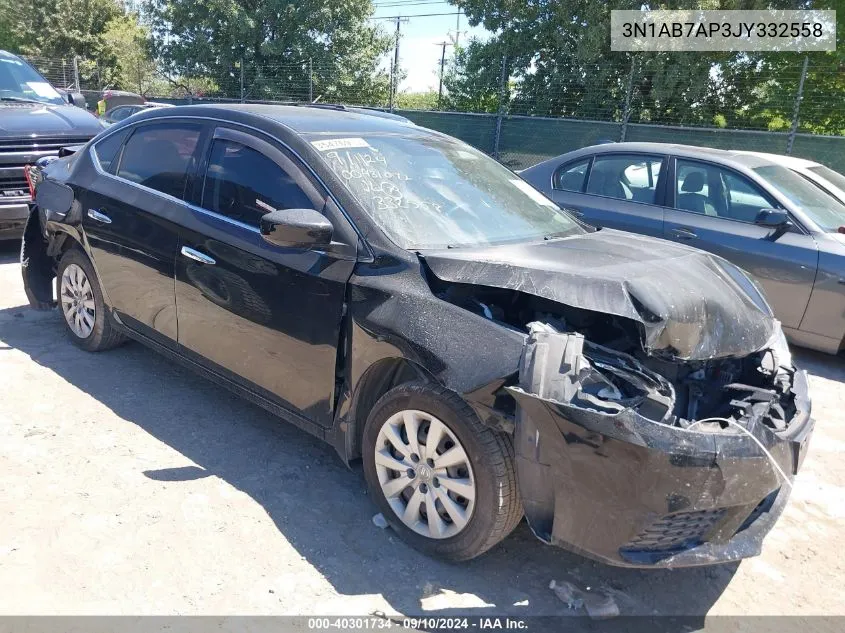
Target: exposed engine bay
[{"x": 605, "y": 369}]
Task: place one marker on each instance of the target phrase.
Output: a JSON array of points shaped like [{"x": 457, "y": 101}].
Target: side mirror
[
  {"x": 772, "y": 218},
  {"x": 78, "y": 99},
  {"x": 296, "y": 228},
  {"x": 775, "y": 219}
]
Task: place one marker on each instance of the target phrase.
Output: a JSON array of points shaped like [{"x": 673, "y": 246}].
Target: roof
[
  {"x": 740, "y": 157},
  {"x": 319, "y": 120},
  {"x": 791, "y": 162}
]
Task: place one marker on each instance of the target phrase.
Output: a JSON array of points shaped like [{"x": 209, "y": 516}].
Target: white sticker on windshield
[
  {"x": 535, "y": 195},
  {"x": 42, "y": 89},
  {"x": 339, "y": 143}
]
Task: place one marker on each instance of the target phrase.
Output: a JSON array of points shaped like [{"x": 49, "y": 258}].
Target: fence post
[
  {"x": 503, "y": 82},
  {"x": 76, "y": 73},
  {"x": 626, "y": 112},
  {"x": 242, "y": 79},
  {"x": 64, "y": 73},
  {"x": 310, "y": 80},
  {"x": 797, "y": 108}
]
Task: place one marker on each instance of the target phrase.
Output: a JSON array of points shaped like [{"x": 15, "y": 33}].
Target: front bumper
[
  {"x": 13, "y": 216},
  {"x": 636, "y": 493}
]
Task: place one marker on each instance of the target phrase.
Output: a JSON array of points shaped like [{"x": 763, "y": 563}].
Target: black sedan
[
  {"x": 404, "y": 297},
  {"x": 750, "y": 209}
]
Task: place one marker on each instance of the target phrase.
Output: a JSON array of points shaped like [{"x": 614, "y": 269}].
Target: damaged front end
[
  {"x": 658, "y": 419},
  {"x": 620, "y": 463}
]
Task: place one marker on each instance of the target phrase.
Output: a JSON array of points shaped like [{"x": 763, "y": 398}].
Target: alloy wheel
[
  {"x": 425, "y": 474},
  {"x": 77, "y": 299}
]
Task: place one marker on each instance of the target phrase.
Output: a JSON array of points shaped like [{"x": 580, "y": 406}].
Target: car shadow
[
  {"x": 10, "y": 251},
  {"x": 322, "y": 509},
  {"x": 820, "y": 364}
]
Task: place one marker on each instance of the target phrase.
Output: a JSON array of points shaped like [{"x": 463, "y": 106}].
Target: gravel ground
[{"x": 128, "y": 485}]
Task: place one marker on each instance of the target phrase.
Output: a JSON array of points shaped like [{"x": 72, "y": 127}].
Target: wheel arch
[{"x": 379, "y": 378}]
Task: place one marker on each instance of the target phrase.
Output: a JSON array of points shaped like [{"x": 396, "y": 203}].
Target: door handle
[
  {"x": 190, "y": 253},
  {"x": 99, "y": 217},
  {"x": 683, "y": 234}
]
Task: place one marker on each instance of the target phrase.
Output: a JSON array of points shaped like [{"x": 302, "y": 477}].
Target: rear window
[
  {"x": 107, "y": 149},
  {"x": 159, "y": 156}
]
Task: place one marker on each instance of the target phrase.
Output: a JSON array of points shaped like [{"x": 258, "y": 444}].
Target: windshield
[
  {"x": 833, "y": 177},
  {"x": 434, "y": 192},
  {"x": 19, "y": 82},
  {"x": 822, "y": 208}
]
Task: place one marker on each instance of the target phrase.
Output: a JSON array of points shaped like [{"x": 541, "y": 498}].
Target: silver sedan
[{"x": 763, "y": 216}]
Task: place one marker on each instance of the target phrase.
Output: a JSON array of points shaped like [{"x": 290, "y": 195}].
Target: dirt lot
[{"x": 130, "y": 486}]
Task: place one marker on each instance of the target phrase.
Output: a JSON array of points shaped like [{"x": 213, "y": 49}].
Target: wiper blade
[{"x": 22, "y": 100}]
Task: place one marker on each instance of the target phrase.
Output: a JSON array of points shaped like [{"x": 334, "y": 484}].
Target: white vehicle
[{"x": 823, "y": 177}]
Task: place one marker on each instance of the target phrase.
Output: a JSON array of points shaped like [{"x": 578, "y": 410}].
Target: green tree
[
  {"x": 560, "y": 64},
  {"x": 130, "y": 66},
  {"x": 61, "y": 28},
  {"x": 472, "y": 78},
  {"x": 10, "y": 36},
  {"x": 417, "y": 100},
  {"x": 274, "y": 39}
]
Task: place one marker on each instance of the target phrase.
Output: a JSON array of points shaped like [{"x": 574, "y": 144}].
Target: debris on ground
[
  {"x": 379, "y": 521},
  {"x": 569, "y": 594},
  {"x": 599, "y": 606}
]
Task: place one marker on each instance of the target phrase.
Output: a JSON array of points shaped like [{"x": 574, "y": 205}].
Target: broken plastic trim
[{"x": 610, "y": 384}]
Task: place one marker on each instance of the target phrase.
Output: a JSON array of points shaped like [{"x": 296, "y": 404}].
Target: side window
[
  {"x": 571, "y": 177},
  {"x": 118, "y": 114},
  {"x": 107, "y": 149},
  {"x": 712, "y": 190},
  {"x": 745, "y": 199},
  {"x": 631, "y": 177},
  {"x": 244, "y": 184},
  {"x": 159, "y": 156}
]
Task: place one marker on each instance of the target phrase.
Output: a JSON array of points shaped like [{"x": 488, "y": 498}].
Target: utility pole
[
  {"x": 442, "y": 46},
  {"x": 394, "y": 81},
  {"x": 456, "y": 38}
]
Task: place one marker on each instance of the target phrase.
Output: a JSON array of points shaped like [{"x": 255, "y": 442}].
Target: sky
[{"x": 419, "y": 53}]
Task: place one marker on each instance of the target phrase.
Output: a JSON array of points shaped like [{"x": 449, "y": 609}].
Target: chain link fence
[{"x": 783, "y": 109}]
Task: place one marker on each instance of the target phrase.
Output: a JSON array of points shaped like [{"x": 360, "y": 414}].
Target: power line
[
  {"x": 416, "y": 15},
  {"x": 409, "y": 4}
]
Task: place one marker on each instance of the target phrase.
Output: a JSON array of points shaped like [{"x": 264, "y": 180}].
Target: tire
[
  {"x": 484, "y": 520},
  {"x": 103, "y": 333}
]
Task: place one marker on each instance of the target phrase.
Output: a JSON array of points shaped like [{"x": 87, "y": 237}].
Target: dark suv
[{"x": 35, "y": 121}]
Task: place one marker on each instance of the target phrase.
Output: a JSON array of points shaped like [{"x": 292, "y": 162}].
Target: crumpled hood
[
  {"x": 18, "y": 119},
  {"x": 692, "y": 305}
]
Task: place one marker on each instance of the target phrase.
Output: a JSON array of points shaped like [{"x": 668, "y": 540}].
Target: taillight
[{"x": 28, "y": 175}]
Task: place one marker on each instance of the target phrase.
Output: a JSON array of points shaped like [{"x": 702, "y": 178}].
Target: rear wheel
[
  {"x": 444, "y": 482},
  {"x": 87, "y": 323}
]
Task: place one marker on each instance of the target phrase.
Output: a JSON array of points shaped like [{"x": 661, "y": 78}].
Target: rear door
[
  {"x": 129, "y": 217},
  {"x": 714, "y": 208},
  {"x": 264, "y": 316},
  {"x": 618, "y": 191}
]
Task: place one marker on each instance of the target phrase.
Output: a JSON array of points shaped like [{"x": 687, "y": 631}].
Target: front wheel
[
  {"x": 444, "y": 482},
  {"x": 81, "y": 302}
]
